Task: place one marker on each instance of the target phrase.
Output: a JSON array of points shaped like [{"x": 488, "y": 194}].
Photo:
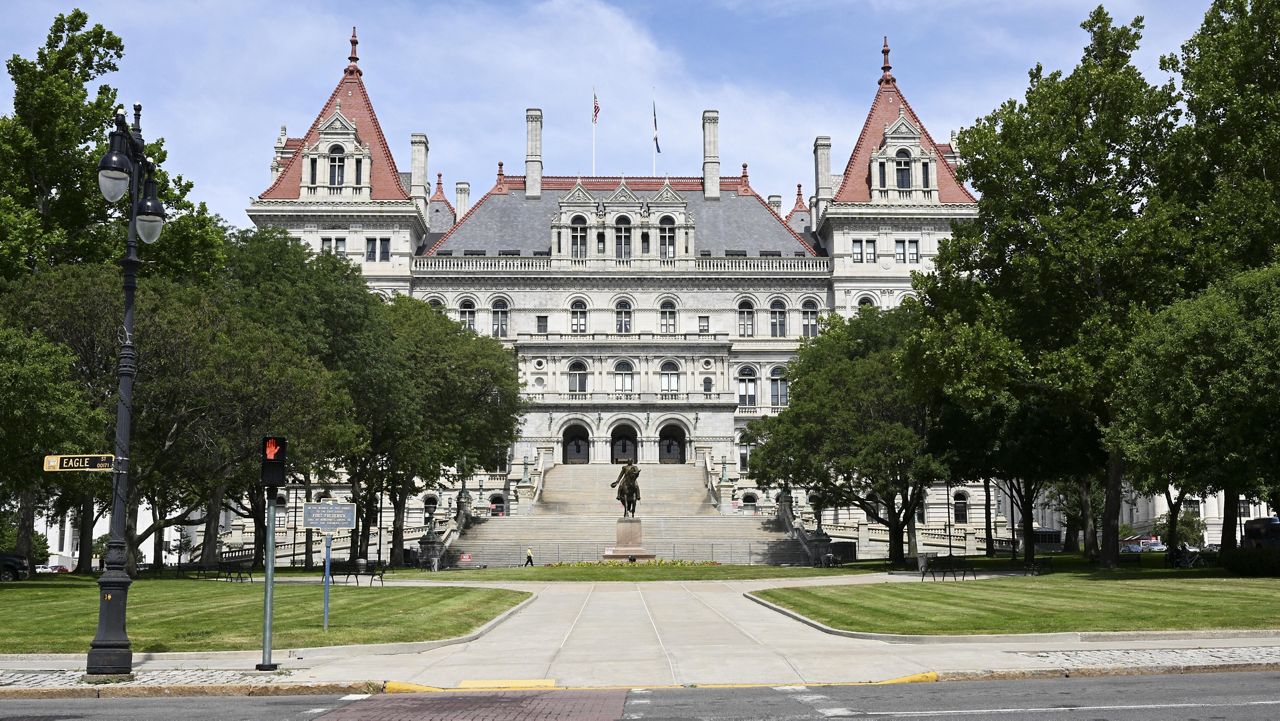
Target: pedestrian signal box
[{"x": 273, "y": 459}]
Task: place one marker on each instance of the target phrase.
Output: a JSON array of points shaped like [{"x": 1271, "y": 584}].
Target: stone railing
[
  {"x": 600, "y": 397},
  {"x": 514, "y": 263}
]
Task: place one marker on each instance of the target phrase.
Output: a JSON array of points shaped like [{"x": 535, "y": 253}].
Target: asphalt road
[{"x": 1237, "y": 697}]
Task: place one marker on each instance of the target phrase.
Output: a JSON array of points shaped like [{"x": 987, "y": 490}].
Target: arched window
[
  {"x": 337, "y": 165},
  {"x": 622, "y": 316},
  {"x": 903, "y": 167},
  {"x": 865, "y": 301},
  {"x": 435, "y": 303},
  {"x": 747, "y": 386},
  {"x": 467, "y": 314},
  {"x": 577, "y": 377},
  {"x": 667, "y": 317},
  {"x": 623, "y": 377},
  {"x": 707, "y": 385},
  {"x": 622, "y": 238},
  {"x": 778, "y": 386},
  {"x": 500, "y": 312},
  {"x": 670, "y": 377},
  {"x": 578, "y": 317},
  {"x": 777, "y": 319},
  {"x": 578, "y": 237},
  {"x": 961, "y": 507},
  {"x": 809, "y": 319},
  {"x": 667, "y": 237},
  {"x": 746, "y": 319}
]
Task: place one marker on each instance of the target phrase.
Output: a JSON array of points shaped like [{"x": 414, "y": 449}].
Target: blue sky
[{"x": 218, "y": 79}]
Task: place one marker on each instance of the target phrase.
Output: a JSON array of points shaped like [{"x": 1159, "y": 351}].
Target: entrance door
[
  {"x": 623, "y": 445},
  {"x": 671, "y": 443},
  {"x": 577, "y": 445}
]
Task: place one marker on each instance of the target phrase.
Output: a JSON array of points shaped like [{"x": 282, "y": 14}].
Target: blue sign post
[{"x": 328, "y": 518}]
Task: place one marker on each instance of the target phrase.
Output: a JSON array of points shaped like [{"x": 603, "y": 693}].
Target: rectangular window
[
  {"x": 370, "y": 249},
  {"x": 913, "y": 251},
  {"x": 778, "y": 391},
  {"x": 340, "y": 246},
  {"x": 499, "y": 318},
  {"x": 667, "y": 321},
  {"x": 899, "y": 251},
  {"x": 577, "y": 321},
  {"x": 542, "y": 323},
  {"x": 746, "y": 323},
  {"x": 313, "y": 171},
  {"x": 924, "y": 174},
  {"x": 384, "y": 250},
  {"x": 855, "y": 251},
  {"x": 326, "y": 245},
  {"x": 599, "y": 243},
  {"x": 882, "y": 183},
  {"x": 704, "y": 324},
  {"x": 644, "y": 243},
  {"x": 777, "y": 324},
  {"x": 870, "y": 255},
  {"x": 359, "y": 170}
]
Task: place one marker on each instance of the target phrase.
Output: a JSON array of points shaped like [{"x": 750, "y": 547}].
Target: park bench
[
  {"x": 1134, "y": 558},
  {"x": 239, "y": 571},
  {"x": 1038, "y": 567},
  {"x": 944, "y": 565},
  {"x": 347, "y": 569}
]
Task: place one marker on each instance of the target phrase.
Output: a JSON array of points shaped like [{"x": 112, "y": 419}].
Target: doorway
[
  {"x": 623, "y": 444},
  {"x": 577, "y": 445},
  {"x": 671, "y": 443}
]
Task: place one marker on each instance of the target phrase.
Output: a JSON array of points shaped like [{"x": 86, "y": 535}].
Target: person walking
[{"x": 528, "y": 557}]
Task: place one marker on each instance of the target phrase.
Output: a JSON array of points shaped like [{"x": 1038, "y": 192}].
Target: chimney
[
  {"x": 822, "y": 176},
  {"x": 463, "y": 203},
  {"x": 533, "y": 154},
  {"x": 418, "y": 188},
  {"x": 711, "y": 154},
  {"x": 775, "y": 202}
]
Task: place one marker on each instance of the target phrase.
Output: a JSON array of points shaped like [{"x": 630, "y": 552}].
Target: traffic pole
[
  {"x": 266, "y": 664},
  {"x": 328, "y": 554}
]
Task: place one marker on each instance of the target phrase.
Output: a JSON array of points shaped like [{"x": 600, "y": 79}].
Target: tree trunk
[
  {"x": 1071, "y": 535},
  {"x": 131, "y": 540},
  {"x": 309, "y": 558},
  {"x": 27, "y": 529},
  {"x": 991, "y": 528},
  {"x": 1109, "y": 554},
  {"x": 368, "y": 511},
  {"x": 209, "y": 541},
  {"x": 1026, "y": 501},
  {"x": 87, "y": 517},
  {"x": 399, "y": 502},
  {"x": 896, "y": 556},
  {"x": 912, "y": 548},
  {"x": 1090, "y": 527},
  {"x": 261, "y": 534},
  {"x": 1230, "y": 517},
  {"x": 1175, "y": 510}
]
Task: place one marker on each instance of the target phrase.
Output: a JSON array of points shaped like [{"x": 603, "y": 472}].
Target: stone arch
[
  {"x": 575, "y": 440},
  {"x": 624, "y": 442}
]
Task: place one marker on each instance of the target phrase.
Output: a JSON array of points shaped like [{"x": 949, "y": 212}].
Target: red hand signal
[{"x": 272, "y": 448}]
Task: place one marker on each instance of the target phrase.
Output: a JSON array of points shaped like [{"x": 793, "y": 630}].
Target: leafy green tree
[
  {"x": 1034, "y": 301},
  {"x": 1189, "y": 527},
  {"x": 854, "y": 433}
]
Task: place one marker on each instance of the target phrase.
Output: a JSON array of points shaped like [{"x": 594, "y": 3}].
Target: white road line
[
  {"x": 354, "y": 697},
  {"x": 810, "y": 698},
  {"x": 790, "y": 689},
  {"x": 670, "y": 663},
  {"x": 315, "y": 710},
  {"x": 836, "y": 712},
  {"x": 1072, "y": 709},
  {"x": 547, "y": 672},
  {"x": 747, "y": 633}
]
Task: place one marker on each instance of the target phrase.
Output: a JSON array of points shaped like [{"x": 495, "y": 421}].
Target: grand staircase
[{"x": 576, "y": 516}]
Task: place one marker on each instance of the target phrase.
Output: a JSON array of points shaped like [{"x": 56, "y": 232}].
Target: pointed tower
[
  {"x": 337, "y": 188},
  {"x": 893, "y": 204}
]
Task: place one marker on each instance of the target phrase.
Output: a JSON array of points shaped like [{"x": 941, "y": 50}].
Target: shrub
[{"x": 1252, "y": 561}]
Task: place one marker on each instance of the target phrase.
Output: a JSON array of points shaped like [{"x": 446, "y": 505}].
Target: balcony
[
  {"x": 758, "y": 411},
  {"x": 436, "y": 264},
  {"x": 630, "y": 398}
]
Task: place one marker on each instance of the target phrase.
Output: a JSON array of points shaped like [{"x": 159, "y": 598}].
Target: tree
[
  {"x": 1070, "y": 242},
  {"x": 42, "y": 411},
  {"x": 854, "y": 433},
  {"x": 1190, "y": 526}
]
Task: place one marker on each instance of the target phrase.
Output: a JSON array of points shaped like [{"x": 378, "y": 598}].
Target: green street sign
[{"x": 91, "y": 462}]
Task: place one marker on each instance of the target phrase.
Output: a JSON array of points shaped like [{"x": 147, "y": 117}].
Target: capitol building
[{"x": 651, "y": 318}]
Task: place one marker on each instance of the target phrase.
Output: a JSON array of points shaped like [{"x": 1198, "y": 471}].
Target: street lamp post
[{"x": 121, "y": 170}]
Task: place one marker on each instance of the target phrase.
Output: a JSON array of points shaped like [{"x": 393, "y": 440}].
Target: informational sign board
[
  {"x": 465, "y": 558},
  {"x": 92, "y": 462},
  {"x": 329, "y": 517}
]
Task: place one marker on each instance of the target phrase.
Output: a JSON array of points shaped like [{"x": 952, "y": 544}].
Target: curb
[
  {"x": 1102, "y": 671},
  {"x": 1061, "y": 637},
  {"x": 226, "y": 689}
]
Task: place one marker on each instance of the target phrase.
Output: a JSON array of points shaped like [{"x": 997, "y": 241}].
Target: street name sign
[
  {"x": 329, "y": 517},
  {"x": 92, "y": 462}
]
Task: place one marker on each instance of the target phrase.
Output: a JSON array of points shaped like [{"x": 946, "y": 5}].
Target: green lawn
[
  {"x": 629, "y": 572},
  {"x": 59, "y": 614},
  {"x": 1130, "y": 600}
]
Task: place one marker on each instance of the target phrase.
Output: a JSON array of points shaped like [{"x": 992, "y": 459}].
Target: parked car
[
  {"x": 1131, "y": 548},
  {"x": 12, "y": 567},
  {"x": 43, "y": 569},
  {"x": 1212, "y": 548},
  {"x": 1155, "y": 548},
  {"x": 59, "y": 569}
]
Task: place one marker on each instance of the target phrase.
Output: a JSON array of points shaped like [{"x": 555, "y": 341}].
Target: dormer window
[
  {"x": 578, "y": 237},
  {"x": 337, "y": 165},
  {"x": 903, "y": 168}
]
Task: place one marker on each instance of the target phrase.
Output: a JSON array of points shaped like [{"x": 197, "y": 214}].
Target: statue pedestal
[{"x": 630, "y": 543}]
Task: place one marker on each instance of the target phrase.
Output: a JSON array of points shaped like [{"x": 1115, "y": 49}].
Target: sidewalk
[{"x": 674, "y": 634}]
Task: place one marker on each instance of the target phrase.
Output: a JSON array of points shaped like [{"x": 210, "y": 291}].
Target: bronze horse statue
[{"x": 628, "y": 489}]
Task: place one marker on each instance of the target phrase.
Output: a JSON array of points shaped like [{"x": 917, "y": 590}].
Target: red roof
[
  {"x": 439, "y": 194},
  {"x": 384, "y": 179},
  {"x": 856, "y": 185}
]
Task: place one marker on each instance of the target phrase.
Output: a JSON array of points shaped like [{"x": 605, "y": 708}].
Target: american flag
[{"x": 595, "y": 111}]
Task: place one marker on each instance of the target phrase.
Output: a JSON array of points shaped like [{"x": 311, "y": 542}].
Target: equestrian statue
[{"x": 628, "y": 488}]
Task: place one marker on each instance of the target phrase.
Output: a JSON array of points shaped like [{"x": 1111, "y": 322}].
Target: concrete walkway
[{"x": 705, "y": 632}]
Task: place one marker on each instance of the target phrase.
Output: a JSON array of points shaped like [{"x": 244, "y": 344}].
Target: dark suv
[{"x": 12, "y": 567}]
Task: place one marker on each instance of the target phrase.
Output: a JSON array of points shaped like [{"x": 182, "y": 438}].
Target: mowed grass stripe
[
  {"x": 60, "y": 615},
  {"x": 1064, "y": 602}
]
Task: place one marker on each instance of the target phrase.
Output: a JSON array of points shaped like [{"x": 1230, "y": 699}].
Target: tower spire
[
  {"x": 887, "y": 77},
  {"x": 353, "y": 68}
]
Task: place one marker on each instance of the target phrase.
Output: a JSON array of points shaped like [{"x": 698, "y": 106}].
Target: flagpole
[{"x": 595, "y": 111}]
